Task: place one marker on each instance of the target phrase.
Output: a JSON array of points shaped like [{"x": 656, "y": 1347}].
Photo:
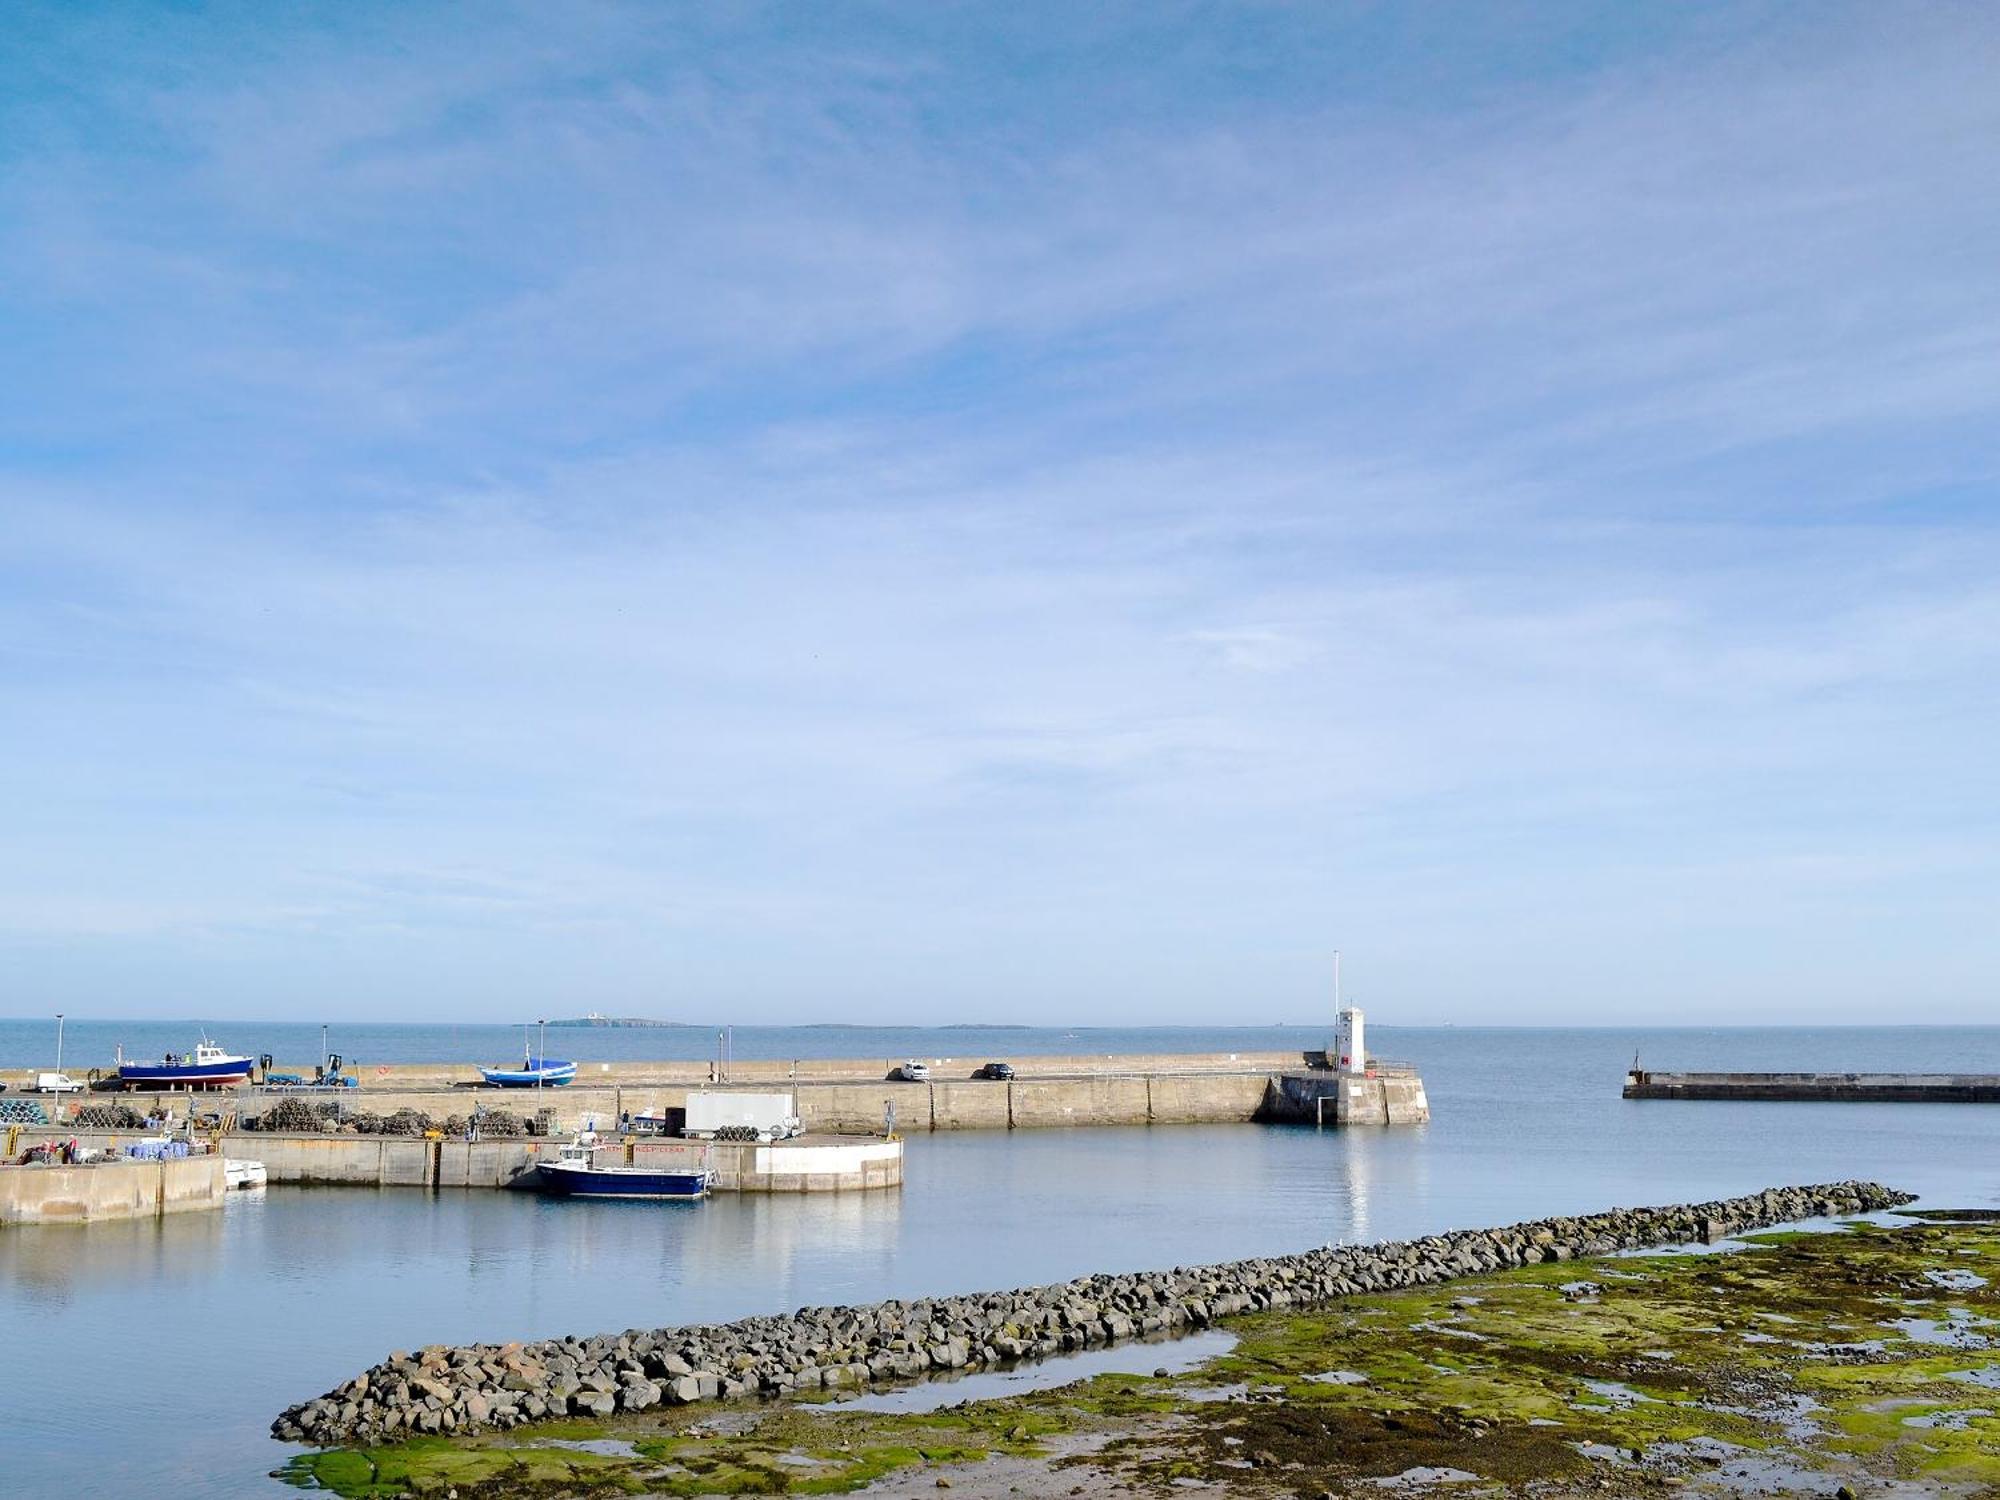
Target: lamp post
[
  {"x": 541, "y": 1058},
  {"x": 59, "y": 1041}
]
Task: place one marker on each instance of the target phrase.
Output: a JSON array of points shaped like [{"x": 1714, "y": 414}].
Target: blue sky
[{"x": 1045, "y": 513}]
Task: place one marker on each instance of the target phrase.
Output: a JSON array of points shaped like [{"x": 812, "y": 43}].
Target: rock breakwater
[{"x": 444, "y": 1390}]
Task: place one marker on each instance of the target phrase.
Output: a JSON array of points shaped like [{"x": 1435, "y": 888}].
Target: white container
[{"x": 771, "y": 1116}]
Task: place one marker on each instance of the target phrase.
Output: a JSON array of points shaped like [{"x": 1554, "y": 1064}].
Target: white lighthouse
[
  {"x": 1350, "y": 1047},
  {"x": 1350, "y": 1043}
]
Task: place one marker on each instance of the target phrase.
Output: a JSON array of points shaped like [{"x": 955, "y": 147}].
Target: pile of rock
[{"x": 443, "y": 1389}]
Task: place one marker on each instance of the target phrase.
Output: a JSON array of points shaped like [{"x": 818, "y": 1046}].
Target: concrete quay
[
  {"x": 438, "y": 1077},
  {"x": 855, "y": 1096},
  {"x": 806, "y": 1164},
  {"x": 1028, "y": 1103},
  {"x": 110, "y": 1190},
  {"x": 1878, "y": 1088},
  {"x": 1384, "y": 1097},
  {"x": 849, "y": 1096}
]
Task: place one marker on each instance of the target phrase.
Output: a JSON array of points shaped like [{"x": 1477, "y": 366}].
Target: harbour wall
[
  {"x": 1326, "y": 1098},
  {"x": 442, "y": 1389},
  {"x": 1028, "y": 1103},
  {"x": 804, "y": 1165},
  {"x": 1879, "y": 1088},
  {"x": 437, "y": 1076},
  {"x": 850, "y": 1095},
  {"x": 110, "y": 1190}
]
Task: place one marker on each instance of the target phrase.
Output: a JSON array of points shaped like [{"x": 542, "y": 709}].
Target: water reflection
[
  {"x": 149, "y": 1256},
  {"x": 303, "y": 1287}
]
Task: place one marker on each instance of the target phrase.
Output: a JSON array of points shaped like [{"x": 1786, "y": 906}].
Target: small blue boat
[
  {"x": 549, "y": 1071},
  {"x": 576, "y": 1173},
  {"x": 207, "y": 1067}
]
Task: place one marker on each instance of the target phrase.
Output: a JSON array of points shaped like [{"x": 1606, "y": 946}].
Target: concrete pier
[
  {"x": 1348, "y": 1099},
  {"x": 806, "y": 1164},
  {"x": 854, "y": 1096},
  {"x": 110, "y": 1190},
  {"x": 1881, "y": 1088}
]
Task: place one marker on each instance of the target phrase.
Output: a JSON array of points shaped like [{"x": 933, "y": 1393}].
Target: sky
[{"x": 1044, "y": 513}]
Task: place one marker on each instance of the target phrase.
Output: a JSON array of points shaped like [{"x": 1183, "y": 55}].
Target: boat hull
[
  {"x": 555, "y": 1075},
  {"x": 244, "y": 1176},
  {"x": 161, "y": 1075},
  {"x": 566, "y": 1180}
]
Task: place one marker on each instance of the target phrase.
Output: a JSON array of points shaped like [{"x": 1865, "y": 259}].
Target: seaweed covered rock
[{"x": 500, "y": 1386}]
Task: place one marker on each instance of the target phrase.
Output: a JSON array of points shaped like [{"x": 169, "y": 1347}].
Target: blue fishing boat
[
  {"x": 578, "y": 1173},
  {"x": 551, "y": 1071},
  {"x": 207, "y": 1067}
]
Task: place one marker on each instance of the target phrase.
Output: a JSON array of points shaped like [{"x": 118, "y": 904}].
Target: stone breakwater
[{"x": 443, "y": 1390}]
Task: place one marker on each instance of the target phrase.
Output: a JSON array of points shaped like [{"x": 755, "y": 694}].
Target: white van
[{"x": 56, "y": 1083}]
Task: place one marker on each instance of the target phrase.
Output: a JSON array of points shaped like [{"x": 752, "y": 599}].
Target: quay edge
[{"x": 804, "y": 1165}]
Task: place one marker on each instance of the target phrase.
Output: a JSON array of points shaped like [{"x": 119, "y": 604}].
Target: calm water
[{"x": 212, "y": 1323}]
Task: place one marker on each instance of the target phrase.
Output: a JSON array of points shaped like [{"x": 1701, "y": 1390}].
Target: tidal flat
[{"x": 1866, "y": 1357}]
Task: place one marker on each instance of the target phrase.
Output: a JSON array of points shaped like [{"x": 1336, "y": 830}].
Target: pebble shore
[{"x": 446, "y": 1390}]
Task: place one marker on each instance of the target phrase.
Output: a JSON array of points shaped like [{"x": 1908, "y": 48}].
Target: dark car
[{"x": 998, "y": 1071}]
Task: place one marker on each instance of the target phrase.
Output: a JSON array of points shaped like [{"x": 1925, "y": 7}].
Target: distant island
[
  {"x": 947, "y": 1026},
  {"x": 593, "y": 1019}
]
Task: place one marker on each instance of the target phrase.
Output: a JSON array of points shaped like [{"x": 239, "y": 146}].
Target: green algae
[
  {"x": 1619, "y": 1372},
  {"x": 783, "y": 1450}
]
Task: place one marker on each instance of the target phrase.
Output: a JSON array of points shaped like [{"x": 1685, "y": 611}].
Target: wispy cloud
[{"x": 712, "y": 513}]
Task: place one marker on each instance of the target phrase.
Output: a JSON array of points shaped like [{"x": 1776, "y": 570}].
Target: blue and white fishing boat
[
  {"x": 543, "y": 1071},
  {"x": 552, "y": 1071},
  {"x": 577, "y": 1173},
  {"x": 207, "y": 1067}
]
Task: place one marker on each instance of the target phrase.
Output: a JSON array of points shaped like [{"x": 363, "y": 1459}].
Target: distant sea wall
[
  {"x": 444, "y": 1389},
  {"x": 1820, "y": 1088}
]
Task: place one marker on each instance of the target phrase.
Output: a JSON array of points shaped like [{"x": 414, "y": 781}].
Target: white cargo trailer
[{"x": 764, "y": 1117}]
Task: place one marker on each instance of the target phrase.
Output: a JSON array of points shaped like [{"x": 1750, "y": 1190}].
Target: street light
[
  {"x": 541, "y": 1059},
  {"x": 59, "y": 1031}
]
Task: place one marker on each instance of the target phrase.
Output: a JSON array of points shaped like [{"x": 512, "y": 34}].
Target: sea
[{"x": 151, "y": 1358}]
